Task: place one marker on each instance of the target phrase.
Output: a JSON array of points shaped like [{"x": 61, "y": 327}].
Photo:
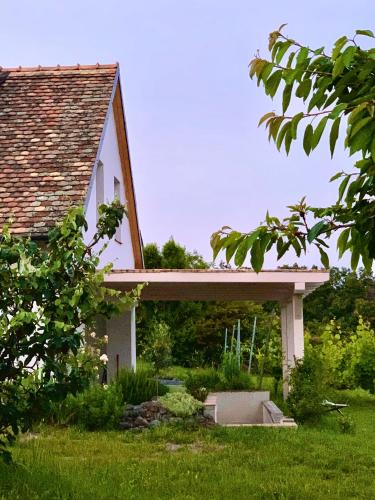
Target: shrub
[
  {"x": 158, "y": 349},
  {"x": 97, "y": 408},
  {"x": 240, "y": 382},
  {"x": 202, "y": 380},
  {"x": 139, "y": 386},
  {"x": 181, "y": 404},
  {"x": 363, "y": 363},
  {"x": 308, "y": 387}
]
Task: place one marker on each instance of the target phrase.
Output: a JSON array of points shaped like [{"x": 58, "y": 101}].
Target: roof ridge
[{"x": 76, "y": 67}]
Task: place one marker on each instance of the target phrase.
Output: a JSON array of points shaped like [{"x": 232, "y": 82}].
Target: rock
[
  {"x": 140, "y": 422},
  {"x": 155, "y": 423},
  {"x": 125, "y": 426}
]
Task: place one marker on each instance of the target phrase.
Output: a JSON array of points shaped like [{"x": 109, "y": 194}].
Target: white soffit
[{"x": 223, "y": 285}]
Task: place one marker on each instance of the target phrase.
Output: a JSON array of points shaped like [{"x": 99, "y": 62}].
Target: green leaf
[
  {"x": 281, "y": 135},
  {"x": 362, "y": 138},
  {"x": 265, "y": 73},
  {"x": 355, "y": 258},
  {"x": 257, "y": 257},
  {"x": 286, "y": 96},
  {"x": 342, "y": 241},
  {"x": 297, "y": 247},
  {"x": 244, "y": 247},
  {"x": 316, "y": 230},
  {"x": 290, "y": 59},
  {"x": 303, "y": 89},
  {"x": 230, "y": 250},
  {"x": 324, "y": 258},
  {"x": 216, "y": 244},
  {"x": 318, "y": 132},
  {"x": 282, "y": 248},
  {"x": 336, "y": 176},
  {"x": 365, "y": 33},
  {"x": 307, "y": 139},
  {"x": 342, "y": 188},
  {"x": 288, "y": 140},
  {"x": 274, "y": 127},
  {"x": 317, "y": 100},
  {"x": 338, "y": 46},
  {"x": 334, "y": 135},
  {"x": 337, "y": 110},
  {"x": 265, "y": 117},
  {"x": 280, "y": 53},
  {"x": 360, "y": 124},
  {"x": 241, "y": 253},
  {"x": 275, "y": 48},
  {"x": 302, "y": 55},
  {"x": 338, "y": 67},
  {"x": 294, "y": 124},
  {"x": 348, "y": 54},
  {"x": 273, "y": 83}
]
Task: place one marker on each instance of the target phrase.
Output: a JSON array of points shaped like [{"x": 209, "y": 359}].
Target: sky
[{"x": 199, "y": 161}]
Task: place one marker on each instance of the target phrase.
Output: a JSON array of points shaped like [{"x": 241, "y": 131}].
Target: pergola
[{"x": 288, "y": 287}]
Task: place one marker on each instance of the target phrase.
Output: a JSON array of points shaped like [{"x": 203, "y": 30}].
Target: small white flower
[
  {"x": 92, "y": 335},
  {"x": 105, "y": 338},
  {"x": 105, "y": 386},
  {"x": 104, "y": 358}
]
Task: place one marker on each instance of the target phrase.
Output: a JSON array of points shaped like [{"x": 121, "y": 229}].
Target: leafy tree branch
[{"x": 340, "y": 89}]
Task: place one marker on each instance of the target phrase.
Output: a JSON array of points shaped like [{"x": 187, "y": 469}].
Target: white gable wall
[{"x": 120, "y": 254}]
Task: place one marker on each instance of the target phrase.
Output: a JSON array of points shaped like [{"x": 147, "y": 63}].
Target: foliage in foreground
[
  {"x": 47, "y": 294},
  {"x": 139, "y": 386},
  {"x": 336, "y": 89},
  {"x": 308, "y": 387},
  {"x": 97, "y": 408},
  {"x": 181, "y": 404}
]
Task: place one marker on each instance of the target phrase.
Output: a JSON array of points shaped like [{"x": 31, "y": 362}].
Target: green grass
[{"x": 180, "y": 463}]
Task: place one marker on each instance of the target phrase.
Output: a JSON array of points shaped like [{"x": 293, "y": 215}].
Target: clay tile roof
[{"x": 51, "y": 122}]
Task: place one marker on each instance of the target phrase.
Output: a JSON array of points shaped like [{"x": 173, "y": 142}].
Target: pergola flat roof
[{"x": 218, "y": 284}]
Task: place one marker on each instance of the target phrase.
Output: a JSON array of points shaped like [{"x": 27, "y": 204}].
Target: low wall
[{"x": 240, "y": 407}]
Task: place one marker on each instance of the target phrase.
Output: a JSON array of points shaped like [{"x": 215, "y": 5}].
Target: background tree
[
  {"x": 336, "y": 90},
  {"x": 196, "y": 328},
  {"x": 344, "y": 298},
  {"x": 49, "y": 296}
]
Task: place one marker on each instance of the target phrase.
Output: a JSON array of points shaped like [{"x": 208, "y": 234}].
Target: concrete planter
[{"x": 245, "y": 408}]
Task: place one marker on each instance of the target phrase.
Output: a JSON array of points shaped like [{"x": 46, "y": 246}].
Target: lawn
[{"x": 182, "y": 463}]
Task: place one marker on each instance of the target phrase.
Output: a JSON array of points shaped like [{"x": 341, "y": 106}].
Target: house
[{"x": 63, "y": 142}]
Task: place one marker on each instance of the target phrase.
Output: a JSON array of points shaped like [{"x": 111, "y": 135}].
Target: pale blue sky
[{"x": 198, "y": 159}]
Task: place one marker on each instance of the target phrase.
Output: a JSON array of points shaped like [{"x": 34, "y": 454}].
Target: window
[
  {"x": 117, "y": 194},
  {"x": 99, "y": 187}
]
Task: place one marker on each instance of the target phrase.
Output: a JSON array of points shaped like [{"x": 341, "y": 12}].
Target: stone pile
[{"x": 152, "y": 414}]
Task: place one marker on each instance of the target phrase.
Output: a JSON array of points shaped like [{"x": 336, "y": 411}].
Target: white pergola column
[
  {"x": 121, "y": 348},
  {"x": 292, "y": 331}
]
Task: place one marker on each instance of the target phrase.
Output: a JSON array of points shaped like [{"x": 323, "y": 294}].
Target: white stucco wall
[{"x": 120, "y": 254}]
